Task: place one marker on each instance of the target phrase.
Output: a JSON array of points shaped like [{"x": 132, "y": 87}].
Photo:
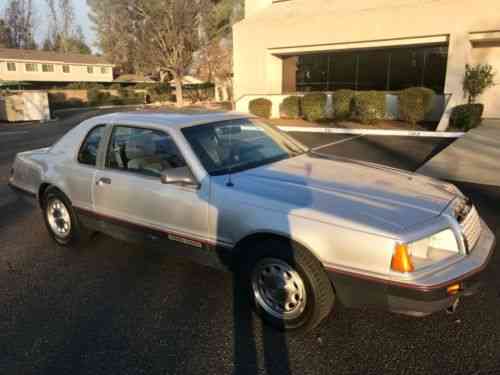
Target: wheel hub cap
[
  {"x": 58, "y": 218},
  {"x": 278, "y": 288}
]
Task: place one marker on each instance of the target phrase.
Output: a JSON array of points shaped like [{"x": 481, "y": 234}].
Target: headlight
[
  {"x": 450, "y": 188},
  {"x": 422, "y": 253}
]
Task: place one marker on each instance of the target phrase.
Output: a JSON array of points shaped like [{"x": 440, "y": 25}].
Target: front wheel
[{"x": 289, "y": 286}]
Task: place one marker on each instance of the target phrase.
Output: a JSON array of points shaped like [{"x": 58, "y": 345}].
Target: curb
[
  {"x": 379, "y": 132},
  {"x": 69, "y": 110}
]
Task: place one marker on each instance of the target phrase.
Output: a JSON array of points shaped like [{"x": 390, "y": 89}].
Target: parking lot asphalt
[{"x": 115, "y": 308}]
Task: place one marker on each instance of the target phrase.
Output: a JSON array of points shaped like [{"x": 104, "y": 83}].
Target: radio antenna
[{"x": 229, "y": 182}]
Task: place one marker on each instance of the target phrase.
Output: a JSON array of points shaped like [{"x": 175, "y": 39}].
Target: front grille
[{"x": 471, "y": 227}]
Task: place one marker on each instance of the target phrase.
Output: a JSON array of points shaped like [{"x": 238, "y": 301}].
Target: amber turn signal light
[
  {"x": 401, "y": 260},
  {"x": 453, "y": 289}
]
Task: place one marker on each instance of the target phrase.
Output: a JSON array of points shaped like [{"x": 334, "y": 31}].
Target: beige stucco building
[
  {"x": 41, "y": 66},
  {"x": 286, "y": 46}
]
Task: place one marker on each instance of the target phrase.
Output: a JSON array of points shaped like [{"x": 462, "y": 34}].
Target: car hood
[{"x": 348, "y": 192}]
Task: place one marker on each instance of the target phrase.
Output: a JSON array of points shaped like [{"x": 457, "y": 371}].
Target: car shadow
[{"x": 257, "y": 346}]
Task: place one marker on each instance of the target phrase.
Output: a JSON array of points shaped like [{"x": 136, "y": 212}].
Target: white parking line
[
  {"x": 13, "y": 133},
  {"x": 337, "y": 142},
  {"x": 381, "y": 132}
]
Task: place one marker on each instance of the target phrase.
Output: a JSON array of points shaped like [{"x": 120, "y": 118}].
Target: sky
[{"x": 81, "y": 18}]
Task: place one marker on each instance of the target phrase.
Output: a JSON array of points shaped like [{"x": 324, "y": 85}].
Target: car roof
[{"x": 170, "y": 119}]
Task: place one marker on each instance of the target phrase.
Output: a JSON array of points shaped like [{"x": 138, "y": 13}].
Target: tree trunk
[{"x": 178, "y": 91}]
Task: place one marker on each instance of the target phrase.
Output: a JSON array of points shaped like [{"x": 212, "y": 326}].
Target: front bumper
[{"x": 422, "y": 296}]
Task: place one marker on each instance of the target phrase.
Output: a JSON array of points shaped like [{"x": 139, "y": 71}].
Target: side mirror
[{"x": 179, "y": 176}]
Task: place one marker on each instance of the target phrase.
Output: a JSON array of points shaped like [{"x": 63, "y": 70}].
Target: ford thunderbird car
[{"x": 300, "y": 229}]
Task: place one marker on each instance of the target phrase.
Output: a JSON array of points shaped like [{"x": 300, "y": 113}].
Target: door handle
[{"x": 103, "y": 180}]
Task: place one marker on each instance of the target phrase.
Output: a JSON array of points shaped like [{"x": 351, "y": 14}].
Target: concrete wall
[
  {"x": 297, "y": 26},
  {"x": 489, "y": 53},
  {"x": 65, "y": 95},
  {"x": 25, "y": 106},
  {"x": 78, "y": 73}
]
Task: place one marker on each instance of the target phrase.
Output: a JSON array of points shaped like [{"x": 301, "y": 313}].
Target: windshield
[{"x": 236, "y": 145}]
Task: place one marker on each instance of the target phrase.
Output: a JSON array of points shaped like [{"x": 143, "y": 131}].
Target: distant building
[
  {"x": 294, "y": 46},
  {"x": 22, "y": 65}
]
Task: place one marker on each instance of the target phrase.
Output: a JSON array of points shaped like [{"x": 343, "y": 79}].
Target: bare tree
[
  {"x": 63, "y": 34},
  {"x": 214, "y": 59},
  {"x": 118, "y": 33},
  {"x": 19, "y": 24},
  {"x": 219, "y": 17},
  {"x": 4, "y": 35},
  {"x": 170, "y": 35},
  {"x": 214, "y": 63}
]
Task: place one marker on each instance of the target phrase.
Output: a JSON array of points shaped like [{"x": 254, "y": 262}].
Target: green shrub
[
  {"x": 116, "y": 86},
  {"x": 124, "y": 92},
  {"x": 314, "y": 106},
  {"x": 290, "y": 107},
  {"x": 95, "y": 96},
  {"x": 98, "y": 98},
  {"x": 342, "y": 103},
  {"x": 260, "y": 107},
  {"x": 160, "y": 92},
  {"x": 59, "y": 101},
  {"x": 466, "y": 116},
  {"x": 368, "y": 106},
  {"x": 415, "y": 103},
  {"x": 84, "y": 86},
  {"x": 428, "y": 95},
  {"x": 476, "y": 80}
]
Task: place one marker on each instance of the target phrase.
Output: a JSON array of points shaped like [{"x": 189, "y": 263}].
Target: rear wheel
[
  {"x": 61, "y": 220},
  {"x": 288, "y": 285}
]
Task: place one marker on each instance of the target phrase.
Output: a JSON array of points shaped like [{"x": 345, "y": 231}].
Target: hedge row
[
  {"x": 415, "y": 103},
  {"x": 260, "y": 107},
  {"x": 97, "y": 98},
  {"x": 366, "y": 107}
]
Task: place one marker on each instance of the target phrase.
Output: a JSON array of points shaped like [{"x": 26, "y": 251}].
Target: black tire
[
  {"x": 319, "y": 290},
  {"x": 76, "y": 234}
]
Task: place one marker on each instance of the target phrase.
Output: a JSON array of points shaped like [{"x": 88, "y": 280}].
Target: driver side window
[{"x": 144, "y": 151}]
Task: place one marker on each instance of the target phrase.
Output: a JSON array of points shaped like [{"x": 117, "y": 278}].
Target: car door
[
  {"x": 130, "y": 197},
  {"x": 79, "y": 173}
]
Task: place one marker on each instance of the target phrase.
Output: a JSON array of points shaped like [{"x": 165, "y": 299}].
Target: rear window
[{"x": 88, "y": 152}]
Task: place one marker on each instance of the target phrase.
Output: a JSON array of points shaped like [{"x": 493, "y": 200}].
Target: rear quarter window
[{"x": 88, "y": 151}]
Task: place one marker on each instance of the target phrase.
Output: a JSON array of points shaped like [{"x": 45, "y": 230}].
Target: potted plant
[{"x": 476, "y": 80}]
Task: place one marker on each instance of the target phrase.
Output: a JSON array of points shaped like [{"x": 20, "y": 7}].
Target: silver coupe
[{"x": 301, "y": 230}]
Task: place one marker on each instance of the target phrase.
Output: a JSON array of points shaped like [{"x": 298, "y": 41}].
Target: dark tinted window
[
  {"x": 435, "y": 68},
  {"x": 312, "y": 74},
  {"x": 88, "y": 151},
  {"x": 145, "y": 151},
  {"x": 372, "y": 70},
  {"x": 407, "y": 67},
  {"x": 379, "y": 69},
  {"x": 343, "y": 68}
]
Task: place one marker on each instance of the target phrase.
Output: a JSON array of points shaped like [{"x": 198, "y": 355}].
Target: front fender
[{"x": 333, "y": 245}]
